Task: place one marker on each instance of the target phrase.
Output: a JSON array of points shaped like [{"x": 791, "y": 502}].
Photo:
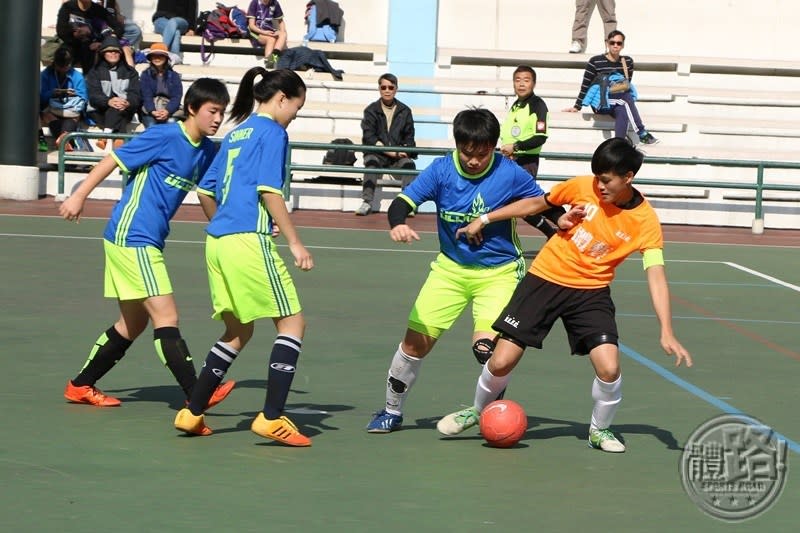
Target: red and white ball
[{"x": 503, "y": 423}]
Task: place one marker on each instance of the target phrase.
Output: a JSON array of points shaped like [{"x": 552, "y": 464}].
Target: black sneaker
[
  {"x": 647, "y": 138},
  {"x": 269, "y": 63}
]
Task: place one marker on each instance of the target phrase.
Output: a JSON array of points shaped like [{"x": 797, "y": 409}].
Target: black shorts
[{"x": 587, "y": 314}]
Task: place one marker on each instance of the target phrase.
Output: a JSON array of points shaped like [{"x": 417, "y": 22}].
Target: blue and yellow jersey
[
  {"x": 251, "y": 161},
  {"x": 461, "y": 197},
  {"x": 164, "y": 164}
]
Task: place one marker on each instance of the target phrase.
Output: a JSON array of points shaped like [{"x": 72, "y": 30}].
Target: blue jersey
[
  {"x": 252, "y": 160},
  {"x": 164, "y": 164},
  {"x": 461, "y": 197}
]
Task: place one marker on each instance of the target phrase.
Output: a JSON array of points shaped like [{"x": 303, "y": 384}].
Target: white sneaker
[
  {"x": 363, "y": 209},
  {"x": 455, "y": 423},
  {"x": 603, "y": 439},
  {"x": 576, "y": 48}
]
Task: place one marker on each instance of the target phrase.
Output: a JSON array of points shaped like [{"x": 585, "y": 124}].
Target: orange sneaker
[
  {"x": 118, "y": 143},
  {"x": 220, "y": 393},
  {"x": 281, "y": 429},
  {"x": 101, "y": 144},
  {"x": 90, "y": 395},
  {"x": 189, "y": 423}
]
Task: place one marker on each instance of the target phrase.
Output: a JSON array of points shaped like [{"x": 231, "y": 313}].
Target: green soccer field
[{"x": 67, "y": 467}]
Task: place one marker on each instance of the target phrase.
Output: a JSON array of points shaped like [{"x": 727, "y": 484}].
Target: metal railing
[{"x": 758, "y": 185}]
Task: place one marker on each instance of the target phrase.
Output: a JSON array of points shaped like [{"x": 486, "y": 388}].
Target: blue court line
[{"x": 697, "y": 391}]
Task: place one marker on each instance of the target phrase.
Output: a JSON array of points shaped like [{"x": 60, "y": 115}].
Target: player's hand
[
  {"x": 507, "y": 149},
  {"x": 671, "y": 346},
  {"x": 71, "y": 208},
  {"x": 571, "y": 218},
  {"x": 302, "y": 257},
  {"x": 472, "y": 231},
  {"x": 403, "y": 233},
  {"x": 276, "y": 231}
]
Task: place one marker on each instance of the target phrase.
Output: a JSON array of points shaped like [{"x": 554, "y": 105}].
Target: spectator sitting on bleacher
[
  {"x": 387, "y": 122},
  {"x": 267, "y": 27},
  {"x": 82, "y": 25},
  {"x": 62, "y": 97},
  {"x": 114, "y": 92},
  {"x": 323, "y": 19},
  {"x": 604, "y": 71},
  {"x": 172, "y": 19},
  {"x": 161, "y": 88},
  {"x": 131, "y": 32}
]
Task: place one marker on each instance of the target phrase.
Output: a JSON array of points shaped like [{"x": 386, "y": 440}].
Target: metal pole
[
  {"x": 758, "y": 221},
  {"x": 19, "y": 123}
]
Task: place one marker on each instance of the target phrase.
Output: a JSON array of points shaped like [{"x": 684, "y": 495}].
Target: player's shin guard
[
  {"x": 218, "y": 361},
  {"x": 108, "y": 349},
  {"x": 402, "y": 375},
  {"x": 282, "y": 366},
  {"x": 607, "y": 397},
  {"x": 489, "y": 388},
  {"x": 174, "y": 353}
]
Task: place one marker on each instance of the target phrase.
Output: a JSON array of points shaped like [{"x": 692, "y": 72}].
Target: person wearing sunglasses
[
  {"x": 608, "y": 90},
  {"x": 386, "y": 122}
]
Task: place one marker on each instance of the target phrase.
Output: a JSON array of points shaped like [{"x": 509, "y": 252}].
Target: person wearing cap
[
  {"x": 161, "y": 86},
  {"x": 114, "y": 91}
]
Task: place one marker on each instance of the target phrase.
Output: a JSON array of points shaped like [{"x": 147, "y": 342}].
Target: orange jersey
[{"x": 587, "y": 255}]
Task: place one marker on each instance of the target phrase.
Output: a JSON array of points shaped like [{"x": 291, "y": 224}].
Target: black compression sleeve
[{"x": 398, "y": 211}]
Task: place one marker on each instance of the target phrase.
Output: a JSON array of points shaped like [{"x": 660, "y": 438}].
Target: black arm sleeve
[
  {"x": 553, "y": 213},
  {"x": 398, "y": 211}
]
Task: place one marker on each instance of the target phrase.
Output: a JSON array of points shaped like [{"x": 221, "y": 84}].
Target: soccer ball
[{"x": 503, "y": 422}]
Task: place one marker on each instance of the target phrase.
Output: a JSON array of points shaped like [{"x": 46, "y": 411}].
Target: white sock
[
  {"x": 489, "y": 386},
  {"x": 402, "y": 375},
  {"x": 606, "y": 401}
]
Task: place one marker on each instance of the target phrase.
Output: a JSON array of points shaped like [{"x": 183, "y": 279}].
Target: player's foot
[
  {"x": 603, "y": 439},
  {"x": 89, "y": 395},
  {"x": 220, "y": 393},
  {"x": 455, "y": 423},
  {"x": 192, "y": 424},
  {"x": 280, "y": 429},
  {"x": 101, "y": 144},
  {"x": 383, "y": 422},
  {"x": 364, "y": 209}
]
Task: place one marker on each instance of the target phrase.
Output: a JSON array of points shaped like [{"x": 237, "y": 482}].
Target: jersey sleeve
[
  {"x": 651, "y": 234},
  {"x": 151, "y": 145},
  {"x": 271, "y": 162},
  {"x": 563, "y": 193},
  {"x": 526, "y": 187},
  {"x": 424, "y": 187}
]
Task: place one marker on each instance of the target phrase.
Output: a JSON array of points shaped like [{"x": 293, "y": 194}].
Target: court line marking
[{"x": 700, "y": 393}]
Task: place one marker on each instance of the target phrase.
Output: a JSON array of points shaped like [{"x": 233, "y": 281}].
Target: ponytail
[{"x": 272, "y": 82}]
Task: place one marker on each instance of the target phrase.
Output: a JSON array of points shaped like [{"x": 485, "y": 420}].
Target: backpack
[
  {"x": 217, "y": 25},
  {"x": 340, "y": 156}
]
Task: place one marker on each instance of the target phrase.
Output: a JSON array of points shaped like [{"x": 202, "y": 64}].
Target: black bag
[
  {"x": 340, "y": 156},
  {"x": 202, "y": 22}
]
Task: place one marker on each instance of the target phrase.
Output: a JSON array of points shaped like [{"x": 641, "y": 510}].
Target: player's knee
[
  {"x": 483, "y": 349},
  {"x": 396, "y": 386}
]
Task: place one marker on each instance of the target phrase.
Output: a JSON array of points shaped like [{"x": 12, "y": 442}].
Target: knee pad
[
  {"x": 483, "y": 349},
  {"x": 593, "y": 341}
]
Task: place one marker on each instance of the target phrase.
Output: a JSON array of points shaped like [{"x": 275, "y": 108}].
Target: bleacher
[{"x": 707, "y": 104}]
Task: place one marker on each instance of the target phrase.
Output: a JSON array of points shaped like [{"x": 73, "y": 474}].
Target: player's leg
[{"x": 439, "y": 303}]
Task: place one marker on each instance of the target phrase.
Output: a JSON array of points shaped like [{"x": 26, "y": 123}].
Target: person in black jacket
[
  {"x": 114, "y": 98},
  {"x": 83, "y": 25},
  {"x": 387, "y": 122},
  {"x": 172, "y": 19}
]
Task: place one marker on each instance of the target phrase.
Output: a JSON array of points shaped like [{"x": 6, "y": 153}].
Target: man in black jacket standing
[{"x": 386, "y": 122}]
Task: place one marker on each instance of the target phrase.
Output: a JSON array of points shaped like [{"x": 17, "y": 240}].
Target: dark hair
[
  {"x": 476, "y": 127},
  {"x": 616, "y": 155},
  {"x": 62, "y": 57},
  {"x": 283, "y": 80},
  {"x": 388, "y": 77},
  {"x": 614, "y": 33},
  {"x": 205, "y": 90},
  {"x": 525, "y": 68}
]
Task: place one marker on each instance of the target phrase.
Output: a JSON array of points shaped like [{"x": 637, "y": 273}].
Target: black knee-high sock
[
  {"x": 282, "y": 364},
  {"x": 218, "y": 360},
  {"x": 174, "y": 353},
  {"x": 108, "y": 349}
]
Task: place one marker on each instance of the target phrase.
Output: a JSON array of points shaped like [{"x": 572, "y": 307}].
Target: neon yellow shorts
[
  {"x": 248, "y": 278},
  {"x": 450, "y": 287},
  {"x": 133, "y": 273}
]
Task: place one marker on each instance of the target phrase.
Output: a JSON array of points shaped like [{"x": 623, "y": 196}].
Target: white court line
[{"x": 762, "y": 275}]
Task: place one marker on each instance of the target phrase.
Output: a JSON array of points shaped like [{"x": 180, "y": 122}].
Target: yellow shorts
[
  {"x": 450, "y": 287},
  {"x": 134, "y": 273},
  {"x": 248, "y": 278}
]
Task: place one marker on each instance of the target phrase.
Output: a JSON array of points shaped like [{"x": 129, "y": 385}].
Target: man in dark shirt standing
[{"x": 387, "y": 122}]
